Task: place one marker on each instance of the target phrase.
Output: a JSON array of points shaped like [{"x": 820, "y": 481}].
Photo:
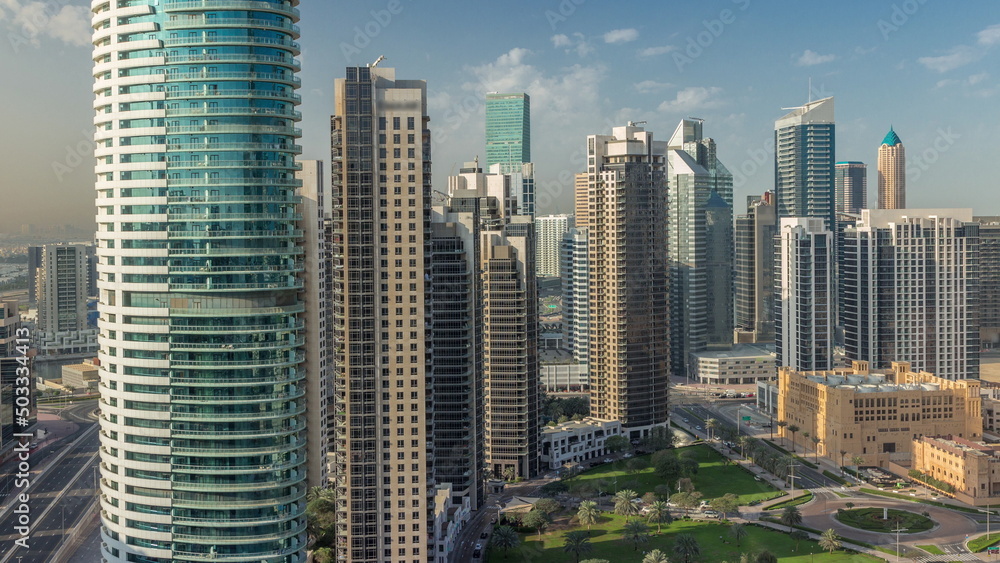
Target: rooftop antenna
[
  {"x": 810, "y": 89},
  {"x": 377, "y": 61},
  {"x": 635, "y": 123}
]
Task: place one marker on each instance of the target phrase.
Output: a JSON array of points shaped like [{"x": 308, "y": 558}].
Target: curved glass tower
[{"x": 202, "y": 425}]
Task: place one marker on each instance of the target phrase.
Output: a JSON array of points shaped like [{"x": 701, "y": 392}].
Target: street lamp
[{"x": 898, "y": 530}]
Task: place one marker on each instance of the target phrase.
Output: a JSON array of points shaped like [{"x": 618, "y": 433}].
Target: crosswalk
[{"x": 948, "y": 557}]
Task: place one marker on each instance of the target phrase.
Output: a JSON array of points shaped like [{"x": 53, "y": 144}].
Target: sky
[{"x": 925, "y": 67}]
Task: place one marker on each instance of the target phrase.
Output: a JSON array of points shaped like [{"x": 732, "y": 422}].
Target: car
[
  {"x": 711, "y": 513},
  {"x": 477, "y": 553},
  {"x": 626, "y": 456},
  {"x": 478, "y": 546},
  {"x": 698, "y": 427},
  {"x": 484, "y": 535},
  {"x": 493, "y": 520},
  {"x": 608, "y": 460}
]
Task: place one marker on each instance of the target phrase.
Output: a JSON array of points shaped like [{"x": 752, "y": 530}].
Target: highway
[{"x": 57, "y": 497}]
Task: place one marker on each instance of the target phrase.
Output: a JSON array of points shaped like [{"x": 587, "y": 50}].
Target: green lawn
[
  {"x": 870, "y": 519},
  {"x": 801, "y": 499},
  {"x": 606, "y": 538},
  {"x": 982, "y": 542},
  {"x": 932, "y": 549},
  {"x": 713, "y": 480}
]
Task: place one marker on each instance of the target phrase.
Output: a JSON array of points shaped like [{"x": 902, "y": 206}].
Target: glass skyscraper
[
  {"x": 202, "y": 426},
  {"x": 804, "y": 162},
  {"x": 508, "y": 129}
]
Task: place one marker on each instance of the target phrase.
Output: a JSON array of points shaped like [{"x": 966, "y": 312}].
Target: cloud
[
  {"x": 694, "y": 97},
  {"x": 989, "y": 36},
  {"x": 655, "y": 51},
  {"x": 647, "y": 86},
  {"x": 30, "y": 21},
  {"x": 810, "y": 58},
  {"x": 621, "y": 35},
  {"x": 962, "y": 55},
  {"x": 578, "y": 43}
]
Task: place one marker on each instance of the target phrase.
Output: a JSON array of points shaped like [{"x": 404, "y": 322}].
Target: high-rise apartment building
[
  {"x": 910, "y": 283},
  {"x": 34, "y": 261},
  {"x": 575, "y": 307},
  {"x": 753, "y": 270},
  {"x": 10, "y": 322},
  {"x": 989, "y": 281},
  {"x": 549, "y": 231},
  {"x": 628, "y": 281},
  {"x": 891, "y": 172},
  {"x": 508, "y": 128},
  {"x": 700, "y": 245},
  {"x": 381, "y": 189},
  {"x": 804, "y": 162},
  {"x": 581, "y": 207},
  {"x": 805, "y": 299},
  {"x": 851, "y": 180},
  {"x": 61, "y": 290},
  {"x": 203, "y": 433}
]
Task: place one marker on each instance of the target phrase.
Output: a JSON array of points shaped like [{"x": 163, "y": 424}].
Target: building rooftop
[
  {"x": 891, "y": 138},
  {"x": 585, "y": 424},
  {"x": 965, "y": 446},
  {"x": 739, "y": 351}
]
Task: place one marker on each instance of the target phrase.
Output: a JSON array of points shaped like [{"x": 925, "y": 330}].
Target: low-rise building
[
  {"x": 576, "y": 442},
  {"x": 81, "y": 377},
  {"x": 449, "y": 519},
  {"x": 971, "y": 468},
  {"x": 741, "y": 364},
  {"x": 876, "y": 416}
]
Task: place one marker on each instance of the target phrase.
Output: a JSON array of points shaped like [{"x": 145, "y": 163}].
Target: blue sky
[{"x": 924, "y": 66}]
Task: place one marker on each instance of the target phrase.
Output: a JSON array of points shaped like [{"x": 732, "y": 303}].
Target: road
[{"x": 57, "y": 498}]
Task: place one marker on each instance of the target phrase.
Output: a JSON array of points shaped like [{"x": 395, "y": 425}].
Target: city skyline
[{"x": 564, "y": 61}]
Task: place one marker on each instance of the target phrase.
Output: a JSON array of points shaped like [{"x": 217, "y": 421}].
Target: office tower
[
  {"x": 851, "y": 180},
  {"x": 891, "y": 172},
  {"x": 61, "y": 283},
  {"x": 803, "y": 320},
  {"x": 203, "y": 441},
  {"x": 10, "y": 322},
  {"x": 381, "y": 190},
  {"x": 700, "y": 247},
  {"x": 804, "y": 162},
  {"x": 34, "y": 261},
  {"x": 911, "y": 290},
  {"x": 549, "y": 231},
  {"x": 989, "y": 281},
  {"x": 628, "y": 280},
  {"x": 753, "y": 271},
  {"x": 581, "y": 210},
  {"x": 522, "y": 178},
  {"x": 508, "y": 128},
  {"x": 575, "y": 316},
  {"x": 316, "y": 210}
]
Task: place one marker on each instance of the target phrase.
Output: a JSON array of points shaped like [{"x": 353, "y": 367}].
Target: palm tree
[
  {"x": 738, "y": 532},
  {"x": 797, "y": 536},
  {"x": 505, "y": 538},
  {"x": 509, "y": 473},
  {"x": 488, "y": 474},
  {"x": 793, "y": 429},
  {"x": 324, "y": 555},
  {"x": 856, "y": 461},
  {"x": 805, "y": 448},
  {"x": 578, "y": 543},
  {"x": 655, "y": 556},
  {"x": 743, "y": 442},
  {"x": 842, "y": 454},
  {"x": 324, "y": 493},
  {"x": 782, "y": 424},
  {"x": 816, "y": 440},
  {"x": 791, "y": 516},
  {"x": 588, "y": 513},
  {"x": 710, "y": 425},
  {"x": 659, "y": 514},
  {"x": 624, "y": 505},
  {"x": 636, "y": 532},
  {"x": 686, "y": 547},
  {"x": 829, "y": 540}
]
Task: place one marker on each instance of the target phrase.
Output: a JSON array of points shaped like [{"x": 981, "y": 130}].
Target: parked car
[
  {"x": 626, "y": 456},
  {"x": 711, "y": 513},
  {"x": 608, "y": 460}
]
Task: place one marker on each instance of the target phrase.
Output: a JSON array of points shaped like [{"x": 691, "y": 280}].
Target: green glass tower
[{"x": 508, "y": 128}]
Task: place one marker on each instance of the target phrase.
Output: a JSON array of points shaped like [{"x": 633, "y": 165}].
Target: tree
[
  {"x": 636, "y": 532},
  {"x": 725, "y": 504},
  {"x": 686, "y": 547},
  {"x": 765, "y": 557},
  {"x": 578, "y": 543},
  {"x": 710, "y": 425},
  {"x": 668, "y": 468},
  {"x": 743, "y": 441},
  {"x": 782, "y": 424},
  {"x": 849, "y": 505},
  {"x": 687, "y": 501},
  {"x": 842, "y": 454},
  {"x": 662, "y": 491},
  {"x": 488, "y": 474},
  {"x": 797, "y": 536},
  {"x": 537, "y": 519},
  {"x": 505, "y": 538},
  {"x": 829, "y": 540},
  {"x": 793, "y": 429},
  {"x": 548, "y": 505},
  {"x": 635, "y": 465},
  {"x": 659, "y": 513},
  {"x": 617, "y": 444},
  {"x": 588, "y": 513},
  {"x": 324, "y": 555},
  {"x": 738, "y": 532},
  {"x": 509, "y": 473},
  {"x": 791, "y": 516},
  {"x": 685, "y": 485},
  {"x": 856, "y": 461},
  {"x": 316, "y": 493},
  {"x": 624, "y": 505},
  {"x": 650, "y": 498},
  {"x": 321, "y": 516},
  {"x": 805, "y": 447},
  {"x": 655, "y": 556},
  {"x": 816, "y": 440},
  {"x": 689, "y": 467},
  {"x": 595, "y": 561},
  {"x": 659, "y": 438}
]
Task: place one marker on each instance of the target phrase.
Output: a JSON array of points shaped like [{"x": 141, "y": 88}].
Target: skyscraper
[
  {"x": 700, "y": 245},
  {"x": 804, "y": 312},
  {"x": 381, "y": 188},
  {"x": 549, "y": 231},
  {"x": 852, "y": 186},
  {"x": 910, "y": 281},
  {"x": 61, "y": 294},
  {"x": 508, "y": 128},
  {"x": 753, "y": 270},
  {"x": 629, "y": 291},
  {"x": 804, "y": 162},
  {"x": 575, "y": 303},
  {"x": 202, "y": 396},
  {"x": 989, "y": 281},
  {"x": 891, "y": 172}
]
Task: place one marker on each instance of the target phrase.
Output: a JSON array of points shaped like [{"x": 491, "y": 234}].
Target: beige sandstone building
[
  {"x": 873, "y": 415},
  {"x": 973, "y": 468}
]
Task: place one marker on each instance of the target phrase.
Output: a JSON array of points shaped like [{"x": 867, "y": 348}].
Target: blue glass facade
[{"x": 203, "y": 434}]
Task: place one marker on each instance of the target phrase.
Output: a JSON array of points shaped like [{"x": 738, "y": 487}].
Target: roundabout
[{"x": 884, "y": 520}]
